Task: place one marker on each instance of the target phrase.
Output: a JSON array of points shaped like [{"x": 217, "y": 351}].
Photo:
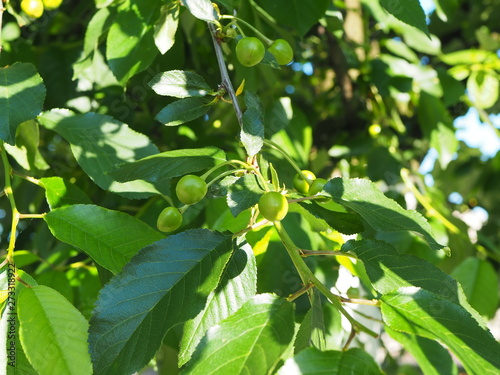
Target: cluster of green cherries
[
  {"x": 250, "y": 51},
  {"x": 272, "y": 205},
  {"x": 190, "y": 190},
  {"x": 34, "y": 8}
]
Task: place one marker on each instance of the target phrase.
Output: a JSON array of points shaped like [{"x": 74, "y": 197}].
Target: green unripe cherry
[
  {"x": 282, "y": 51},
  {"x": 250, "y": 51},
  {"x": 273, "y": 206},
  {"x": 169, "y": 219},
  {"x": 191, "y": 189},
  {"x": 301, "y": 185}
]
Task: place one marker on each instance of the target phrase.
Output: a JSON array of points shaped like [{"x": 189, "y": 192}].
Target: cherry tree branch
[{"x": 226, "y": 81}]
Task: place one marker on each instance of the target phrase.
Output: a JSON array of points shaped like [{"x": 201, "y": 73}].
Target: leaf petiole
[
  {"x": 308, "y": 277},
  {"x": 257, "y": 32}
]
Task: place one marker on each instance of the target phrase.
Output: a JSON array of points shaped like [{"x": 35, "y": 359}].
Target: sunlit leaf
[
  {"x": 179, "y": 84},
  {"x": 480, "y": 283},
  {"x": 22, "y": 94},
  {"x": 53, "y": 332},
  {"x": 60, "y": 192},
  {"x": 166, "y": 27},
  {"x": 201, "y": 9},
  {"x": 100, "y": 143},
  {"x": 409, "y": 11},
  {"x": 166, "y": 284},
  {"x": 130, "y": 43},
  {"x": 111, "y": 238},
  {"x": 162, "y": 167},
  {"x": 183, "y": 110},
  {"x": 382, "y": 213},
  {"x": 243, "y": 194},
  {"x": 237, "y": 285},
  {"x": 311, "y": 361},
  {"x": 250, "y": 341}
]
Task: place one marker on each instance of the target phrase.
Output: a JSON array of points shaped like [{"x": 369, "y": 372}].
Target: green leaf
[
  {"x": 219, "y": 217},
  {"x": 95, "y": 71},
  {"x": 12, "y": 353},
  {"x": 183, "y": 110},
  {"x": 243, "y": 194},
  {"x": 53, "y": 332},
  {"x": 60, "y": 192},
  {"x": 437, "y": 126},
  {"x": 10, "y": 284},
  {"x": 22, "y": 94},
  {"x": 103, "y": 3},
  {"x": 432, "y": 358},
  {"x": 179, "y": 84},
  {"x": 228, "y": 4},
  {"x": 166, "y": 284},
  {"x": 388, "y": 270},
  {"x": 312, "y": 328},
  {"x": 428, "y": 44},
  {"x": 24, "y": 258},
  {"x": 130, "y": 44},
  {"x": 311, "y": 361},
  {"x": 166, "y": 27},
  {"x": 382, "y": 213},
  {"x": 251, "y": 341},
  {"x": 162, "y": 167},
  {"x": 26, "y": 150},
  {"x": 445, "y": 9},
  {"x": 58, "y": 281},
  {"x": 299, "y": 14},
  {"x": 297, "y": 139},
  {"x": 252, "y": 133},
  {"x": 343, "y": 222},
  {"x": 316, "y": 224},
  {"x": 201, "y": 9},
  {"x": 237, "y": 285},
  {"x": 98, "y": 25},
  {"x": 420, "y": 299},
  {"x": 483, "y": 88},
  {"x": 110, "y": 238},
  {"x": 99, "y": 144},
  {"x": 409, "y": 11},
  {"x": 399, "y": 48},
  {"x": 480, "y": 283},
  {"x": 459, "y": 72},
  {"x": 418, "y": 311},
  {"x": 469, "y": 57},
  {"x": 278, "y": 116}
]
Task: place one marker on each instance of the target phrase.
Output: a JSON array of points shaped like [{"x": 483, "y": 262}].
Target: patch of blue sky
[
  {"x": 477, "y": 134},
  {"x": 306, "y": 68},
  {"x": 428, "y": 5},
  {"x": 474, "y": 133}
]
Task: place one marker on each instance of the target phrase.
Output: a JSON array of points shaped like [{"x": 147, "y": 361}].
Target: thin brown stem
[
  {"x": 22, "y": 281},
  {"x": 226, "y": 81},
  {"x": 251, "y": 227},
  {"x": 300, "y": 292},
  {"x": 349, "y": 339},
  {"x": 27, "y": 178}
]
